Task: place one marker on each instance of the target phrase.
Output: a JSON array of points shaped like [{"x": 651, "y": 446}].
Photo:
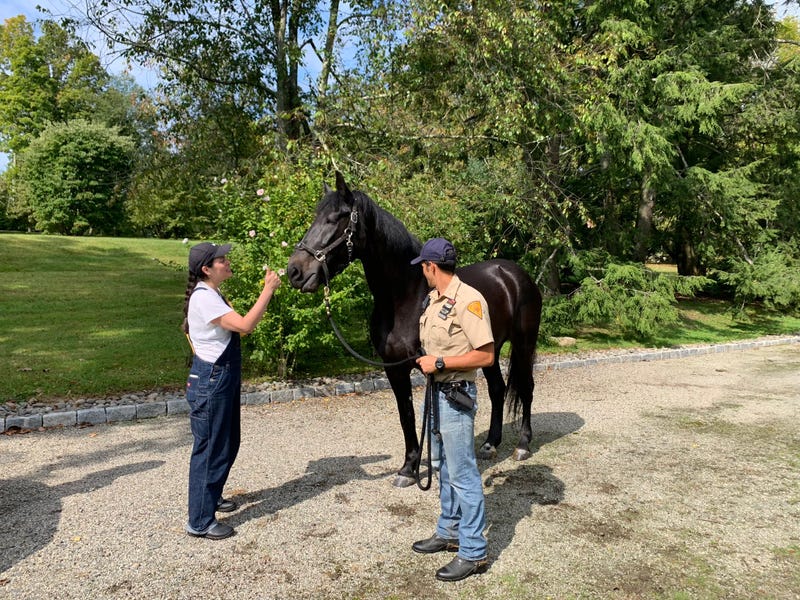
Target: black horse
[{"x": 349, "y": 226}]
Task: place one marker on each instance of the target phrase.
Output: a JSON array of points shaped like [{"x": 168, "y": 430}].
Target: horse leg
[
  {"x": 522, "y": 368},
  {"x": 522, "y": 450},
  {"x": 400, "y": 381},
  {"x": 497, "y": 393}
]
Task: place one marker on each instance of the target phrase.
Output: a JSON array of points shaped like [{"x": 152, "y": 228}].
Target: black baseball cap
[
  {"x": 203, "y": 254},
  {"x": 437, "y": 250}
]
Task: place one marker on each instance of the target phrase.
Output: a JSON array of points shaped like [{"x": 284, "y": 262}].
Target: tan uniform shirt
[{"x": 453, "y": 324}]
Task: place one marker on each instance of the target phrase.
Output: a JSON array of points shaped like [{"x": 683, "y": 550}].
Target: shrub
[
  {"x": 772, "y": 278},
  {"x": 628, "y": 297},
  {"x": 74, "y": 176}
]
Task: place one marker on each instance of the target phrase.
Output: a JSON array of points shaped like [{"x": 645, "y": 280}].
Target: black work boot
[
  {"x": 460, "y": 568},
  {"x": 435, "y": 544}
]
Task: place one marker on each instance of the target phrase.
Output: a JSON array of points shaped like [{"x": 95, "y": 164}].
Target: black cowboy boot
[
  {"x": 460, "y": 568},
  {"x": 435, "y": 544}
]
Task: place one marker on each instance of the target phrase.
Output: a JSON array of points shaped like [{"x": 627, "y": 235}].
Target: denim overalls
[{"x": 213, "y": 391}]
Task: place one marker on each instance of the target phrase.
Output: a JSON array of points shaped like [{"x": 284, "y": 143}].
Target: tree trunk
[
  {"x": 644, "y": 221},
  {"x": 287, "y": 100},
  {"x": 327, "y": 56},
  {"x": 685, "y": 256}
]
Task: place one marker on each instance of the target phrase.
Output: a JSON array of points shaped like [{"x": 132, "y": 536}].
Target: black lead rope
[
  {"x": 430, "y": 423},
  {"x": 340, "y": 337},
  {"x": 351, "y": 350}
]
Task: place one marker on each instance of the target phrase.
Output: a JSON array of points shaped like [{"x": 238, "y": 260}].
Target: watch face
[{"x": 439, "y": 363}]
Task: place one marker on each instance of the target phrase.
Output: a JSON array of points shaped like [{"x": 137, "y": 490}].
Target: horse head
[{"x": 328, "y": 246}]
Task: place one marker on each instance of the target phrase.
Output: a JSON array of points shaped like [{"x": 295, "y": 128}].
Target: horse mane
[{"x": 399, "y": 241}]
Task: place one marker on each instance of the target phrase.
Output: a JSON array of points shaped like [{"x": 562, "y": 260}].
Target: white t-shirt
[{"x": 205, "y": 305}]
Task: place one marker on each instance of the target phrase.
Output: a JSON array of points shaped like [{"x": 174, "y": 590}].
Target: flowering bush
[{"x": 264, "y": 219}]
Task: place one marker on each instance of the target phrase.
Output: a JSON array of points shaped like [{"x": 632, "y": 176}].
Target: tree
[
  {"x": 55, "y": 79},
  {"x": 52, "y": 78},
  {"x": 250, "y": 52},
  {"x": 621, "y": 117},
  {"x": 73, "y": 176}
]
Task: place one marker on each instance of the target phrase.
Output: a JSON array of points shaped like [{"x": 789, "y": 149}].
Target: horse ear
[
  {"x": 341, "y": 186},
  {"x": 326, "y": 189}
]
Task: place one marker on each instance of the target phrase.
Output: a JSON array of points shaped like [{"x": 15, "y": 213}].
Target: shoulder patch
[{"x": 476, "y": 309}]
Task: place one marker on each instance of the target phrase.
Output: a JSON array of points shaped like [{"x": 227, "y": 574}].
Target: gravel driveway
[{"x": 667, "y": 479}]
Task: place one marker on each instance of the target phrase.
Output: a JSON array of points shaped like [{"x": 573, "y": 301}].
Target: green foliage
[
  {"x": 47, "y": 78},
  {"x": 167, "y": 199},
  {"x": 615, "y": 125},
  {"x": 771, "y": 278},
  {"x": 626, "y": 297},
  {"x": 74, "y": 176},
  {"x": 250, "y": 53},
  {"x": 50, "y": 79}
]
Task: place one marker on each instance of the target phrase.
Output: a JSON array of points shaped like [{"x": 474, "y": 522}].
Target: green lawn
[
  {"x": 702, "y": 321},
  {"x": 90, "y": 316},
  {"x": 86, "y": 317}
]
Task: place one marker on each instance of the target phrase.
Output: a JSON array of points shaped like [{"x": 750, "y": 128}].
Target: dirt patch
[{"x": 670, "y": 479}]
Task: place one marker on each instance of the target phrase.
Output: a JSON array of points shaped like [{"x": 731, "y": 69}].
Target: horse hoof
[
  {"x": 487, "y": 451},
  {"x": 402, "y": 481},
  {"x": 521, "y": 454}
]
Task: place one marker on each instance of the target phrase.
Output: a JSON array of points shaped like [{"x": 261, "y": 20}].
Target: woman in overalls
[{"x": 214, "y": 384}]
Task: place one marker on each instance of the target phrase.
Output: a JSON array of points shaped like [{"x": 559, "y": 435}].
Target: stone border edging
[{"x": 177, "y": 405}]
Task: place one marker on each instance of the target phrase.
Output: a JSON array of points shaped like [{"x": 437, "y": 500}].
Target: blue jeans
[
  {"x": 463, "y": 513},
  {"x": 214, "y": 395}
]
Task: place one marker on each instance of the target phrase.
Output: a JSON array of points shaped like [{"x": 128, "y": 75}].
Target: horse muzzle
[{"x": 304, "y": 279}]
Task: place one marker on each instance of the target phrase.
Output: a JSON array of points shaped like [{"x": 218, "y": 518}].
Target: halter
[{"x": 346, "y": 237}]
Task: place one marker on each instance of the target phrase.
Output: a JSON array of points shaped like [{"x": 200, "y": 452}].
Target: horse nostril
[{"x": 293, "y": 273}]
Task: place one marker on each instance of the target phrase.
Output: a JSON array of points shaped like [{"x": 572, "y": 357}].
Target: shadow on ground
[
  {"x": 511, "y": 493},
  {"x": 320, "y": 476},
  {"x": 31, "y": 509}
]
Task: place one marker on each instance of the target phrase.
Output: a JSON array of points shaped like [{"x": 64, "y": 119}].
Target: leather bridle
[{"x": 346, "y": 237}]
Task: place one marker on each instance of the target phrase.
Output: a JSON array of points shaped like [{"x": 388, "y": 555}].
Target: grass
[
  {"x": 701, "y": 321},
  {"x": 88, "y": 317}
]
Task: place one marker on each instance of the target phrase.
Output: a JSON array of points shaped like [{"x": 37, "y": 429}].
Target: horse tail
[{"x": 520, "y": 384}]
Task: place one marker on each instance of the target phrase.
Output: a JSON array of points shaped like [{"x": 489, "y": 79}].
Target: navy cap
[
  {"x": 437, "y": 250},
  {"x": 203, "y": 254}
]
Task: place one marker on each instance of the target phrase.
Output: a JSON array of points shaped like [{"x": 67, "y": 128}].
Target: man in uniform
[{"x": 456, "y": 336}]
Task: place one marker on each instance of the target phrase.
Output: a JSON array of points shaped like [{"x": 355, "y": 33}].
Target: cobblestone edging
[{"x": 134, "y": 407}]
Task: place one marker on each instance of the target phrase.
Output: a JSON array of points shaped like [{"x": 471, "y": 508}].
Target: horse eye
[{"x": 333, "y": 219}]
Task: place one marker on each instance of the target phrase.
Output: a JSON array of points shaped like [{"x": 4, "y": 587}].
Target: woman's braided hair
[{"x": 193, "y": 279}]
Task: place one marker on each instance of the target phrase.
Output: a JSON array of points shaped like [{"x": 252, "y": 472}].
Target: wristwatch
[{"x": 439, "y": 364}]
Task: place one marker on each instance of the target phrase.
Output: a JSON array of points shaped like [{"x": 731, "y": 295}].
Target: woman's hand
[{"x": 272, "y": 280}]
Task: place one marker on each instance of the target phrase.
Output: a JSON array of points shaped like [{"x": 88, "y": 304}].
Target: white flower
[
  {"x": 185, "y": 241},
  {"x": 223, "y": 181},
  {"x": 260, "y": 192},
  {"x": 284, "y": 244},
  {"x": 281, "y": 272},
  {"x": 252, "y": 233}
]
